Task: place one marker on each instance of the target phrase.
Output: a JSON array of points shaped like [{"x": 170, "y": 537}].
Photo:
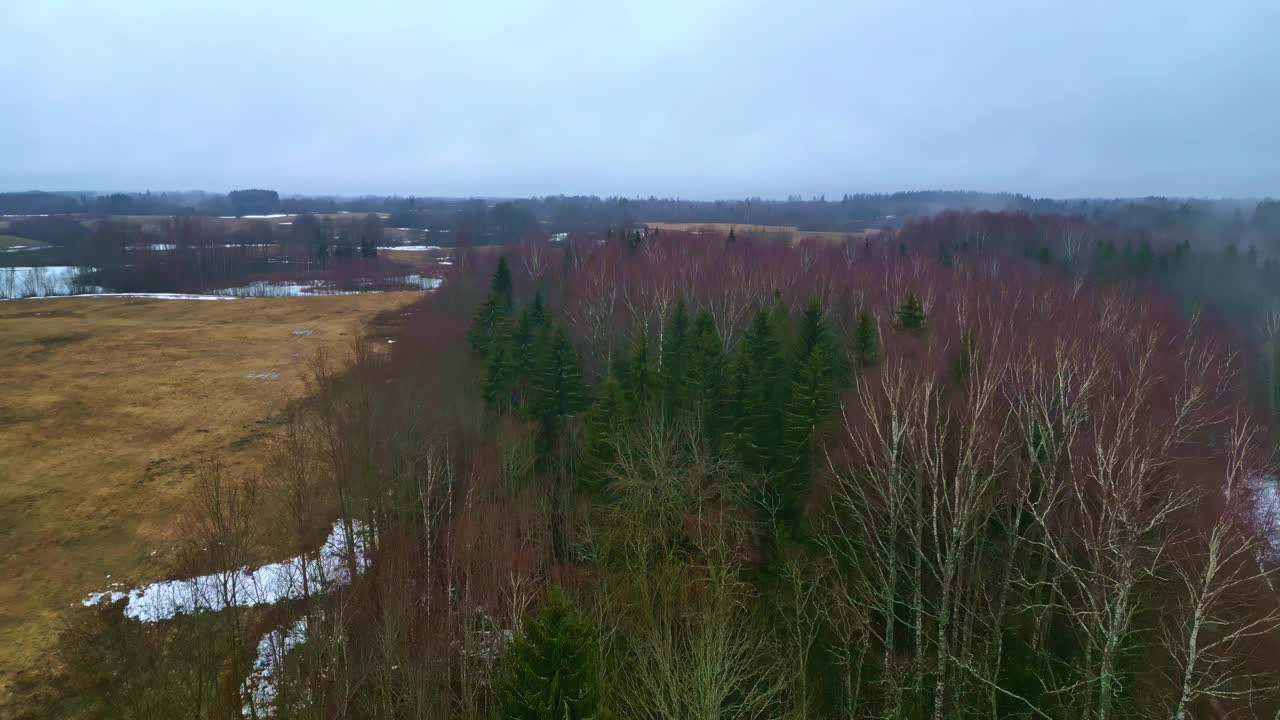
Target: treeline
[
  {"x": 676, "y": 476},
  {"x": 1209, "y": 222},
  {"x": 195, "y": 254}
]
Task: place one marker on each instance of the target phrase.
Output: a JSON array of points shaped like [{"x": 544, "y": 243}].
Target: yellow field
[
  {"x": 107, "y": 407},
  {"x": 792, "y": 233}
]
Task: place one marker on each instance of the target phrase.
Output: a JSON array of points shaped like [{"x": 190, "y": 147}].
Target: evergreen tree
[
  {"x": 707, "y": 382},
  {"x": 557, "y": 390},
  {"x": 866, "y": 340},
  {"x": 763, "y": 380},
  {"x": 606, "y": 421},
  {"x": 911, "y": 315},
  {"x": 733, "y": 237},
  {"x": 813, "y": 399},
  {"x": 553, "y": 673},
  {"x": 480, "y": 336},
  {"x": 534, "y": 324},
  {"x": 675, "y": 361},
  {"x": 500, "y": 286},
  {"x": 813, "y": 333},
  {"x": 640, "y": 379},
  {"x": 501, "y": 370}
]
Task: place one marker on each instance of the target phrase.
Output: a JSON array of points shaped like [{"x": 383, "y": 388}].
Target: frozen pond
[{"x": 39, "y": 281}]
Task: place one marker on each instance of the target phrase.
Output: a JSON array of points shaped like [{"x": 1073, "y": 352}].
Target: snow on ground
[
  {"x": 145, "y": 296},
  {"x": 246, "y": 587},
  {"x": 19, "y": 282},
  {"x": 262, "y": 376},
  {"x": 258, "y": 691},
  {"x": 409, "y": 248}
]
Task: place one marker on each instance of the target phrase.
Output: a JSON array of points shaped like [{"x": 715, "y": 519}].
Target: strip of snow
[
  {"x": 246, "y": 587},
  {"x": 409, "y": 248},
  {"x": 145, "y": 296},
  {"x": 259, "y": 690}
]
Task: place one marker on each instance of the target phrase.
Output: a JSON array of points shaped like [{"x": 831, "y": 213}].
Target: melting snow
[
  {"x": 259, "y": 689},
  {"x": 410, "y": 248},
  {"x": 245, "y": 587}
]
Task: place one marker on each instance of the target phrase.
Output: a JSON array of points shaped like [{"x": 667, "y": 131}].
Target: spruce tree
[
  {"x": 553, "y": 673},
  {"x": 480, "y": 336},
  {"x": 813, "y": 332},
  {"x": 911, "y": 315},
  {"x": 501, "y": 371},
  {"x": 530, "y": 331},
  {"x": 707, "y": 382},
  {"x": 866, "y": 340},
  {"x": 606, "y": 420},
  {"x": 813, "y": 399},
  {"x": 733, "y": 237},
  {"x": 675, "y": 361},
  {"x": 500, "y": 286},
  {"x": 764, "y": 380},
  {"x": 640, "y": 377}
]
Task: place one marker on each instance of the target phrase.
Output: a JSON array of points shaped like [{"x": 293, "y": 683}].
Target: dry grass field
[
  {"x": 107, "y": 408},
  {"x": 792, "y": 233}
]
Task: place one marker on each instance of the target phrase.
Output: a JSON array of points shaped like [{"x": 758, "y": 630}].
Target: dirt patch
[{"x": 108, "y": 406}]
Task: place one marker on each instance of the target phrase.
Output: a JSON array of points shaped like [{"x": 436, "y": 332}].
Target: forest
[{"x": 988, "y": 465}]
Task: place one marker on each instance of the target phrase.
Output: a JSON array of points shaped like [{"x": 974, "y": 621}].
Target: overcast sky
[{"x": 691, "y": 98}]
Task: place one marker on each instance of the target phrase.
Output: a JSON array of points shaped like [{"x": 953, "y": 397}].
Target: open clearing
[
  {"x": 107, "y": 407},
  {"x": 793, "y": 234},
  {"x": 11, "y": 242}
]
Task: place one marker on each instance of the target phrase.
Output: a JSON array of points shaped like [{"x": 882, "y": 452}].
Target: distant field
[
  {"x": 793, "y": 233},
  {"x": 107, "y": 406},
  {"x": 11, "y": 241}
]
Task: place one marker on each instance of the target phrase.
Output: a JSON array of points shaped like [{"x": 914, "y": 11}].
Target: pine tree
[
  {"x": 866, "y": 340},
  {"x": 911, "y": 315},
  {"x": 675, "y": 361},
  {"x": 553, "y": 672},
  {"x": 733, "y": 237}
]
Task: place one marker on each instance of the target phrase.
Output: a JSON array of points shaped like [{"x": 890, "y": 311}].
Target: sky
[{"x": 690, "y": 98}]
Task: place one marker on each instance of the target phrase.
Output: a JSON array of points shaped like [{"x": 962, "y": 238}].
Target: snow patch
[
  {"x": 410, "y": 248},
  {"x": 259, "y": 690},
  {"x": 328, "y": 568}
]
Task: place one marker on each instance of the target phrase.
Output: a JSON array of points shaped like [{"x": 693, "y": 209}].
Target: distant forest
[{"x": 1225, "y": 221}]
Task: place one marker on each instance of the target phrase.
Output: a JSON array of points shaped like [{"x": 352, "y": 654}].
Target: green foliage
[
  {"x": 708, "y": 384},
  {"x": 675, "y": 362},
  {"x": 866, "y": 340},
  {"x": 761, "y": 390},
  {"x": 480, "y": 336},
  {"x": 500, "y": 286},
  {"x": 640, "y": 381},
  {"x": 911, "y": 317},
  {"x": 501, "y": 370},
  {"x": 553, "y": 666},
  {"x": 607, "y": 418},
  {"x": 535, "y": 323}
]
